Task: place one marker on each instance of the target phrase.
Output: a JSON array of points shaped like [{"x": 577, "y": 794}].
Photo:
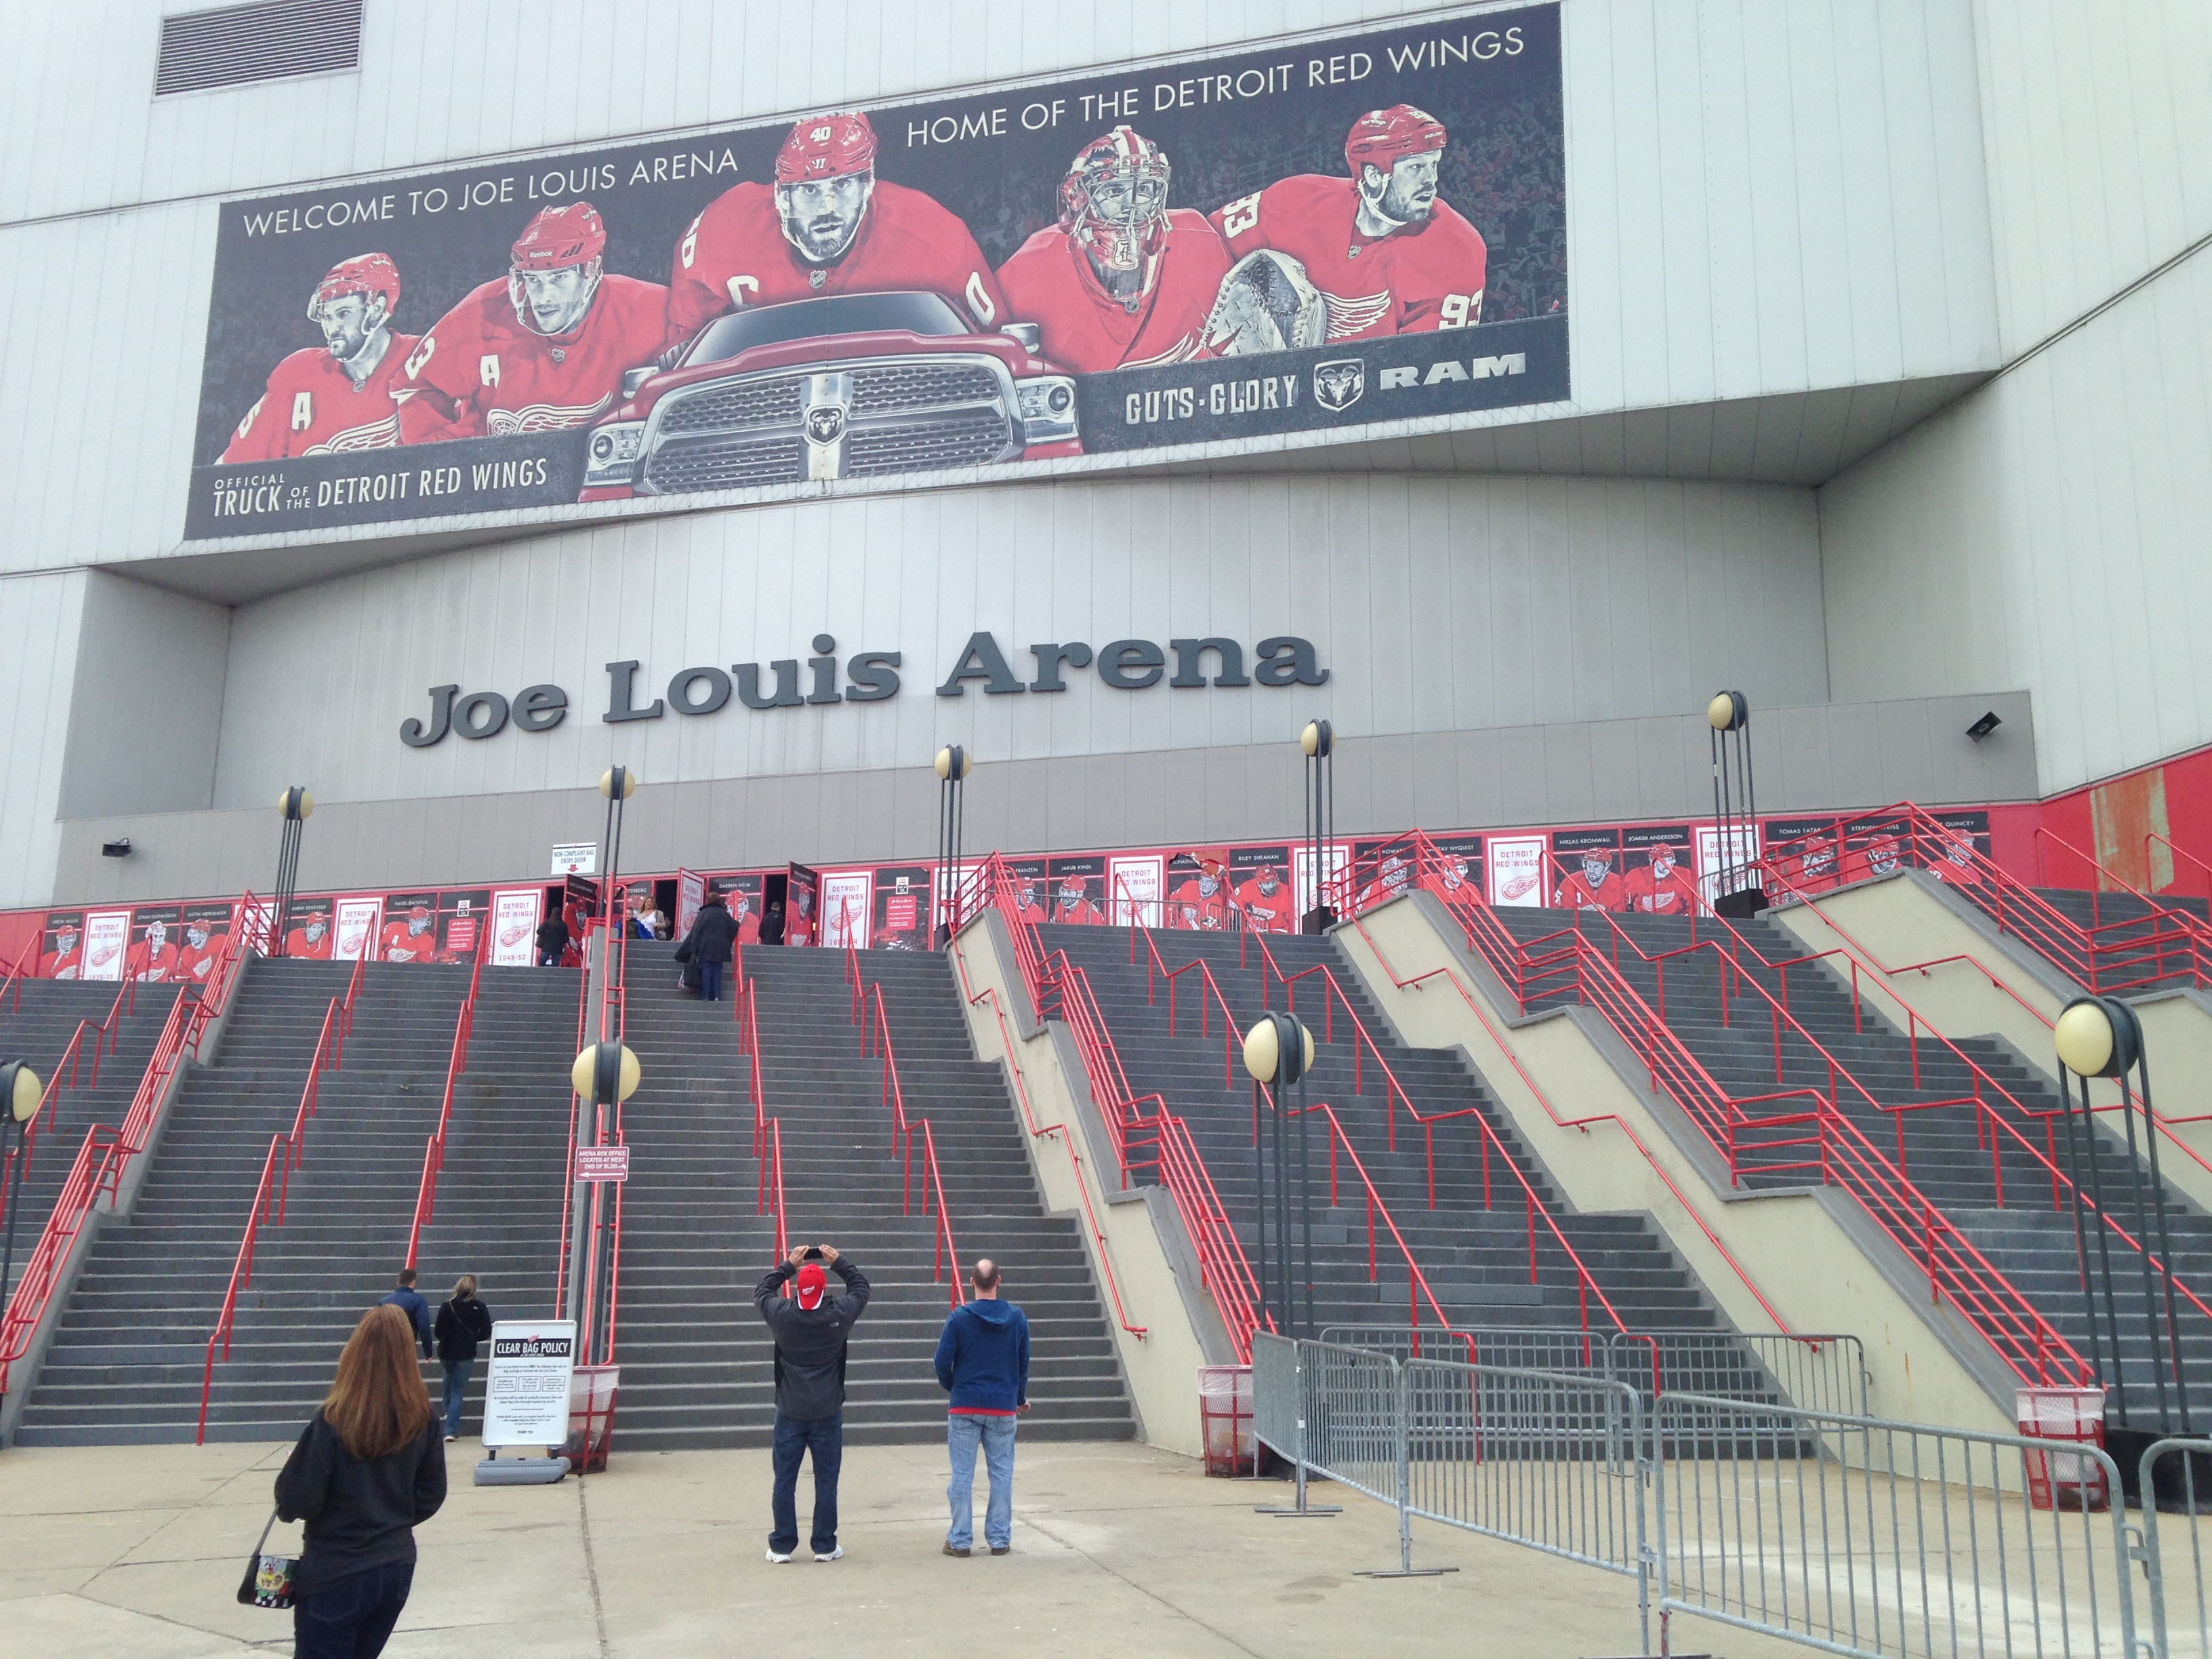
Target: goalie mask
[
  {"x": 1266, "y": 304},
  {"x": 353, "y": 302},
  {"x": 555, "y": 269},
  {"x": 825, "y": 176},
  {"x": 1114, "y": 206}
]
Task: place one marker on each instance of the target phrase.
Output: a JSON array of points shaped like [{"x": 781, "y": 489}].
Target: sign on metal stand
[{"x": 526, "y": 1398}]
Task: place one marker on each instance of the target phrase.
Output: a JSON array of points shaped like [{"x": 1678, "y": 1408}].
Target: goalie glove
[{"x": 1265, "y": 303}]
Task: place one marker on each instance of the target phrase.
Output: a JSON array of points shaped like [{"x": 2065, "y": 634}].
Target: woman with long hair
[
  {"x": 369, "y": 1468},
  {"x": 463, "y": 1322}
]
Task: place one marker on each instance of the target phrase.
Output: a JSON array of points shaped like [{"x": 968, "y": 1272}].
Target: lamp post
[
  {"x": 2101, "y": 1037},
  {"x": 21, "y": 1091},
  {"x": 1318, "y": 743},
  {"x": 1737, "y": 891},
  {"x": 604, "y": 1075},
  {"x": 953, "y": 765},
  {"x": 617, "y": 784},
  {"x": 1279, "y": 1052},
  {"x": 295, "y": 804}
]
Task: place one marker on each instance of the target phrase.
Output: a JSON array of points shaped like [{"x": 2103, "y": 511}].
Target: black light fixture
[
  {"x": 1737, "y": 891},
  {"x": 954, "y": 763},
  {"x": 295, "y": 804},
  {"x": 1318, "y": 743},
  {"x": 20, "y": 1096},
  {"x": 1279, "y": 1052},
  {"x": 617, "y": 784},
  {"x": 1982, "y": 728},
  {"x": 116, "y": 849}
]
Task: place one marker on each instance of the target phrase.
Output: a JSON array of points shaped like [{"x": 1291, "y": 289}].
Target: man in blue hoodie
[
  {"x": 409, "y": 1301},
  {"x": 983, "y": 1361}
]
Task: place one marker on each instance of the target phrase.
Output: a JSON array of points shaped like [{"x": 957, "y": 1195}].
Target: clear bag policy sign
[{"x": 1322, "y": 233}]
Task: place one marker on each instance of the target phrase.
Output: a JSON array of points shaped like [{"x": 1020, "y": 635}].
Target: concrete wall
[
  {"x": 147, "y": 705},
  {"x": 44, "y": 613}
]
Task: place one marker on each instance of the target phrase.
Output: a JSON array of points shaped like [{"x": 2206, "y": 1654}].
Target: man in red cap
[
  {"x": 810, "y": 1328},
  {"x": 826, "y": 226},
  {"x": 338, "y": 397},
  {"x": 539, "y": 349},
  {"x": 1385, "y": 253},
  {"x": 1122, "y": 281}
]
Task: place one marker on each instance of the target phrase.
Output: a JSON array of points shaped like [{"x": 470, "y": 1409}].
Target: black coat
[
  {"x": 461, "y": 1325},
  {"x": 713, "y": 931},
  {"x": 810, "y": 1347},
  {"x": 359, "y": 1514},
  {"x": 552, "y": 936}
]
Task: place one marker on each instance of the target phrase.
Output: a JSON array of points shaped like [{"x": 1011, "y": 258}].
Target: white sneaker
[
  {"x": 837, "y": 1555},
  {"x": 778, "y": 1559}
]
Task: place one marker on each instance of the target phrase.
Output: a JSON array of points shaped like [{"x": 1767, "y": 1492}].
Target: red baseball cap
[{"x": 811, "y": 1282}]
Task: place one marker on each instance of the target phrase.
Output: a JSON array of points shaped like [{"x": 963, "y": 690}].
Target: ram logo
[
  {"x": 825, "y": 425},
  {"x": 1337, "y": 384}
]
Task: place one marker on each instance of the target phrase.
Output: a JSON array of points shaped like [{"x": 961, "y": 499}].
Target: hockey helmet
[
  {"x": 1114, "y": 203},
  {"x": 558, "y": 239},
  {"x": 368, "y": 275},
  {"x": 825, "y": 147},
  {"x": 1381, "y": 136}
]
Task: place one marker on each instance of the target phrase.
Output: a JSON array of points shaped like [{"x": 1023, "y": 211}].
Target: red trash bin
[
  {"x": 2059, "y": 1479},
  {"x": 1225, "y": 1418}
]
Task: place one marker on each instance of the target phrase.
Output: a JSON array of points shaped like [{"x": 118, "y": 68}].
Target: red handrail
[
  {"x": 605, "y": 1221},
  {"x": 433, "y": 1149},
  {"x": 575, "y": 1105},
  {"x": 876, "y": 1043},
  {"x": 768, "y": 1132},
  {"x": 1058, "y": 1132},
  {"x": 1157, "y": 969},
  {"x": 43, "y": 1124},
  {"x": 27, "y": 967},
  {"x": 2203, "y": 869},
  {"x": 2027, "y": 1341},
  {"x": 105, "y": 1154}
]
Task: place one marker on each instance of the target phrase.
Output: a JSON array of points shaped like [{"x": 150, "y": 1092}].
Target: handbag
[{"x": 269, "y": 1579}]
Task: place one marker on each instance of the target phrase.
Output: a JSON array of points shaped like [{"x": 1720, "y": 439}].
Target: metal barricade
[
  {"x": 1867, "y": 1537},
  {"x": 2176, "y": 1485}
]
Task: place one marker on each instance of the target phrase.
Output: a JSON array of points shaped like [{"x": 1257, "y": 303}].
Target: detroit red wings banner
[{"x": 1320, "y": 232}]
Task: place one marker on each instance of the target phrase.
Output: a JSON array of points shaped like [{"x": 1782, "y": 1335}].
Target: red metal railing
[
  {"x": 106, "y": 1155},
  {"x": 876, "y": 1043},
  {"x": 65, "y": 1074},
  {"x": 603, "y": 1227},
  {"x": 26, "y": 967},
  {"x": 2164, "y": 940},
  {"x": 1058, "y": 1132},
  {"x": 286, "y": 1153},
  {"x": 768, "y": 1132},
  {"x": 433, "y": 1149},
  {"x": 1802, "y": 1121},
  {"x": 2204, "y": 870},
  {"x": 569, "y": 1168}
]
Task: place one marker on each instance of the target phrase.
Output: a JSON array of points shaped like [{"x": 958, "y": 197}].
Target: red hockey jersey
[
  {"x": 1423, "y": 276},
  {"x": 197, "y": 966},
  {"x": 1048, "y": 283},
  {"x": 1190, "y": 908},
  {"x": 62, "y": 964},
  {"x": 151, "y": 966},
  {"x": 735, "y": 254},
  {"x": 1266, "y": 912},
  {"x": 312, "y": 407},
  {"x": 300, "y": 947},
  {"x": 400, "y": 945},
  {"x": 481, "y": 374},
  {"x": 1082, "y": 913},
  {"x": 1577, "y": 892},
  {"x": 1674, "y": 894}
]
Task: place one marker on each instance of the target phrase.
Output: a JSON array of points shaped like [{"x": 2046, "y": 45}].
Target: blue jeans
[
  {"x": 963, "y": 1432},
  {"x": 710, "y": 982},
  {"x": 457, "y": 1385},
  {"x": 352, "y": 1618},
  {"x": 795, "y": 1437}
]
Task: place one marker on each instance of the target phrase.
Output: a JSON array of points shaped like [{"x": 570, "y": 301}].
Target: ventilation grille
[{"x": 238, "y": 45}]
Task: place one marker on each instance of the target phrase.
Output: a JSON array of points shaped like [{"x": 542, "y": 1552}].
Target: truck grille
[
  {"x": 967, "y": 438},
  {"x": 730, "y": 463},
  {"x": 906, "y": 414}
]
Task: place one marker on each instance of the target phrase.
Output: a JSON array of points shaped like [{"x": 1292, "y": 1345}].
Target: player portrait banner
[{"x": 1325, "y": 232}]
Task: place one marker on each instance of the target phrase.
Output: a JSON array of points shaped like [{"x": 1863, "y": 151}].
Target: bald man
[{"x": 983, "y": 1362}]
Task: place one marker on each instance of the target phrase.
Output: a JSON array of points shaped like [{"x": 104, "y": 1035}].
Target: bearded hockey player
[
  {"x": 825, "y": 226},
  {"x": 1592, "y": 887},
  {"x": 411, "y": 939},
  {"x": 1123, "y": 281},
  {"x": 1662, "y": 887},
  {"x": 1385, "y": 255},
  {"x": 1073, "y": 902},
  {"x": 542, "y": 349},
  {"x": 339, "y": 398},
  {"x": 1265, "y": 900}
]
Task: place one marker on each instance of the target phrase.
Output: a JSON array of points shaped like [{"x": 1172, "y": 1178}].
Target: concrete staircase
[
  {"x": 696, "y": 1361},
  {"x": 40, "y": 1031},
  {"x": 1941, "y": 1151},
  {"x": 1475, "y": 1259},
  {"x": 127, "y": 1363}
]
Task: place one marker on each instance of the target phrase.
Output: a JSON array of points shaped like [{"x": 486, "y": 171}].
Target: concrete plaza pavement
[{"x": 130, "y": 1551}]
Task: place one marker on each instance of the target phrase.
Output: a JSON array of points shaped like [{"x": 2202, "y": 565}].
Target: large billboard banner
[{"x": 1322, "y": 233}]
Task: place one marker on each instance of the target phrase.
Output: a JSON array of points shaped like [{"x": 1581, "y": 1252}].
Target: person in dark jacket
[
  {"x": 368, "y": 1469},
  {"x": 461, "y": 1324},
  {"x": 409, "y": 1300},
  {"x": 983, "y": 1363},
  {"x": 810, "y": 1330},
  {"x": 712, "y": 933},
  {"x": 771, "y": 927},
  {"x": 552, "y": 941}
]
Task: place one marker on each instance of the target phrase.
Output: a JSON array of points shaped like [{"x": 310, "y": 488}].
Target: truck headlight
[
  {"x": 1047, "y": 409},
  {"x": 610, "y": 454}
]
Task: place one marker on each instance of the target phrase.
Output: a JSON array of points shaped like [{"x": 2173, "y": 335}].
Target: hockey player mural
[{"x": 1366, "y": 228}]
